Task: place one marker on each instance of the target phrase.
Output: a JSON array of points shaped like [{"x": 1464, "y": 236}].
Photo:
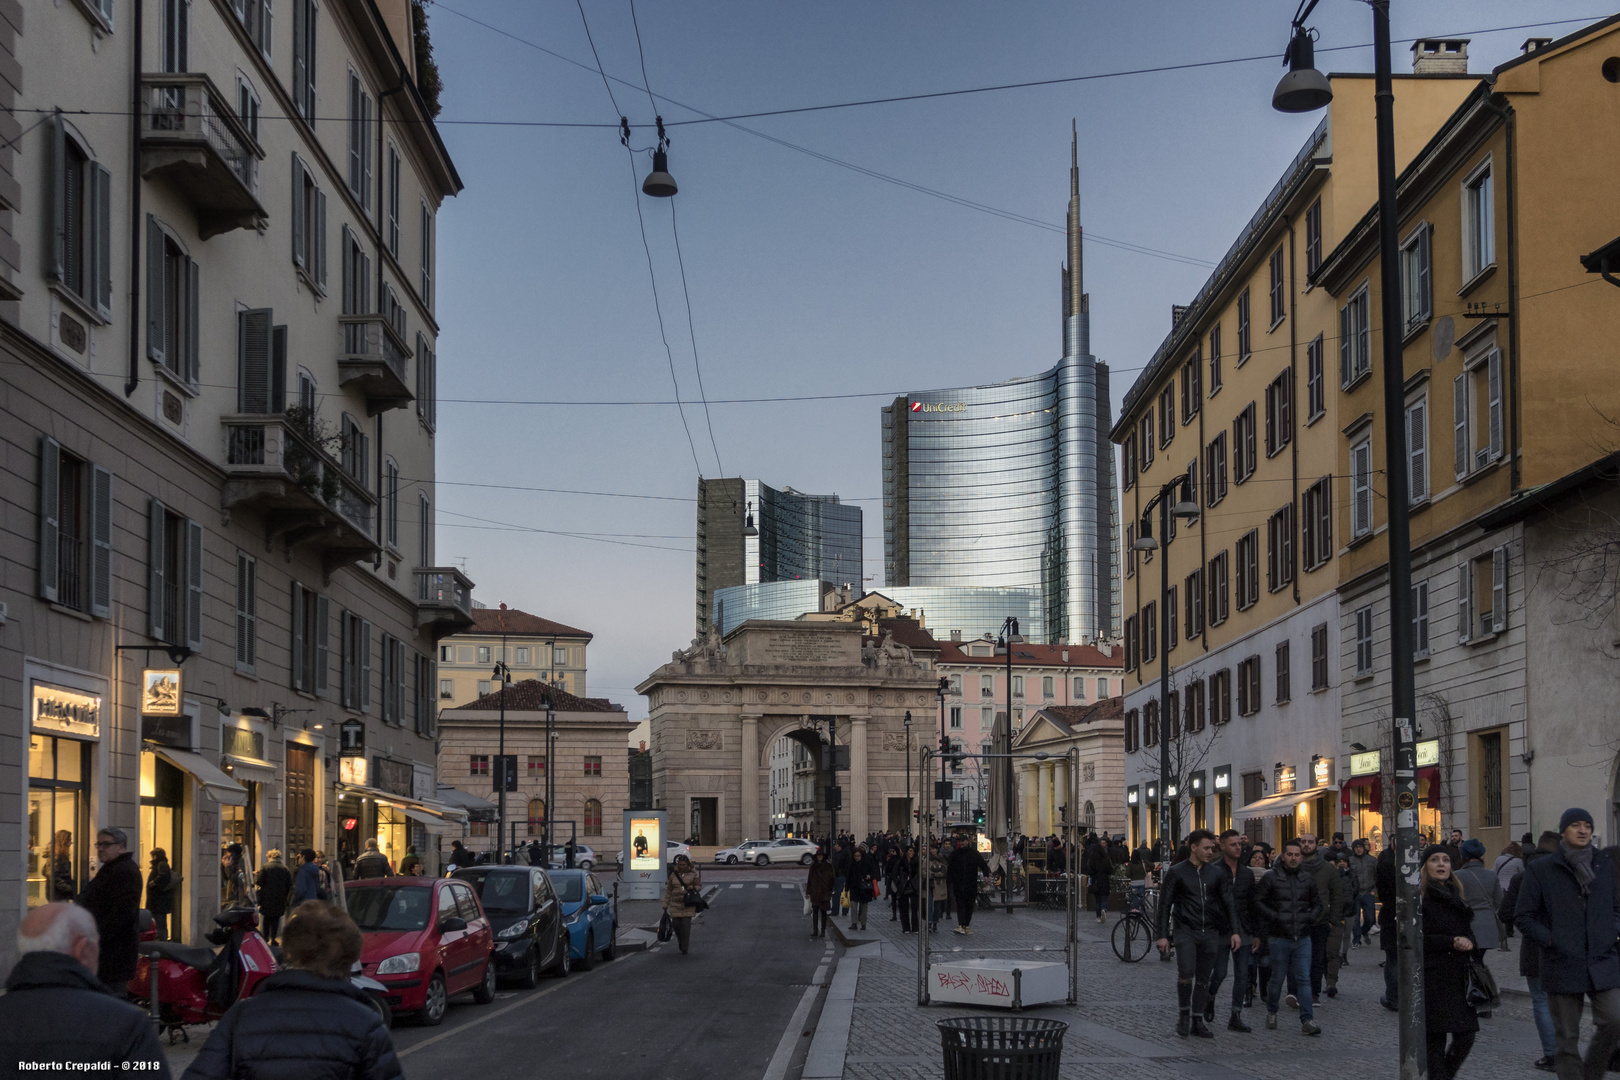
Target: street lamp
[
  {"x": 503, "y": 674},
  {"x": 1004, "y": 647},
  {"x": 907, "y": 723},
  {"x": 551, "y": 770},
  {"x": 944, "y": 751},
  {"x": 1301, "y": 90}
]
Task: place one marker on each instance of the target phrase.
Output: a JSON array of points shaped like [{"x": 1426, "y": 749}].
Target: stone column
[
  {"x": 1060, "y": 791},
  {"x": 1029, "y": 778},
  {"x": 858, "y": 784},
  {"x": 1043, "y": 809},
  {"x": 750, "y": 779}
]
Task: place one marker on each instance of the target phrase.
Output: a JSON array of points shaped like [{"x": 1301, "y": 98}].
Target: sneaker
[
  {"x": 967, "y": 929},
  {"x": 1309, "y": 1027},
  {"x": 1545, "y": 1064},
  {"x": 1355, "y": 944},
  {"x": 959, "y": 930},
  {"x": 1291, "y": 1001},
  {"x": 1271, "y": 1021}
]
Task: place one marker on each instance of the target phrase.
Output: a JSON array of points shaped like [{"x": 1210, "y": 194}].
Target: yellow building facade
[{"x": 534, "y": 648}]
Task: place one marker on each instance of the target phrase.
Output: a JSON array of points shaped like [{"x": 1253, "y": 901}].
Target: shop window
[
  {"x": 537, "y": 815},
  {"x": 59, "y": 848}
]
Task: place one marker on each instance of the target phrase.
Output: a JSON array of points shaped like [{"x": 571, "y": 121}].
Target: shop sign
[
  {"x": 391, "y": 776},
  {"x": 172, "y": 731},
  {"x": 352, "y": 770},
  {"x": 160, "y": 692},
  {"x": 1322, "y": 772},
  {"x": 1286, "y": 779},
  {"x": 242, "y": 742},
  {"x": 1131, "y": 795},
  {"x": 1369, "y": 762},
  {"x": 67, "y": 712},
  {"x": 424, "y": 785},
  {"x": 1223, "y": 778},
  {"x": 352, "y": 738},
  {"x": 1428, "y": 753}
]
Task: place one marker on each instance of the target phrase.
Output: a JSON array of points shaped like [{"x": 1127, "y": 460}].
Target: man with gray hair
[
  {"x": 113, "y": 896},
  {"x": 55, "y": 1010}
]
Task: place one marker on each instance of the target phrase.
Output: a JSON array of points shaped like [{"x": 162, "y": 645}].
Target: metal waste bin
[{"x": 1001, "y": 1047}]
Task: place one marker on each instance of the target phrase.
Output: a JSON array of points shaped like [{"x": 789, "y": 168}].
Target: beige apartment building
[{"x": 531, "y": 646}]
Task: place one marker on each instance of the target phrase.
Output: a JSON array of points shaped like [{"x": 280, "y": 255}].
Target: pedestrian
[
  {"x": 1530, "y": 968},
  {"x": 893, "y": 858},
  {"x": 1260, "y": 969},
  {"x": 326, "y": 875},
  {"x": 1507, "y": 867},
  {"x": 306, "y": 1021},
  {"x": 1137, "y": 871},
  {"x": 684, "y": 886},
  {"x": 818, "y": 886},
  {"x": 1241, "y": 882},
  {"x": 863, "y": 875},
  {"x": 113, "y": 896},
  {"x": 535, "y": 853},
  {"x": 56, "y": 1013},
  {"x": 160, "y": 883},
  {"x": 60, "y": 856},
  {"x": 840, "y": 863},
  {"x": 1454, "y": 847},
  {"x": 1288, "y": 904},
  {"x": 233, "y": 877},
  {"x": 1327, "y": 932},
  {"x": 938, "y": 889},
  {"x": 1364, "y": 869},
  {"x": 372, "y": 864},
  {"x": 460, "y": 856},
  {"x": 1195, "y": 906},
  {"x": 962, "y": 872},
  {"x": 1483, "y": 890},
  {"x": 411, "y": 864},
  {"x": 1099, "y": 871},
  {"x": 905, "y": 889},
  {"x": 275, "y": 885},
  {"x": 1448, "y": 942},
  {"x": 1570, "y": 906},
  {"x": 307, "y": 882}
]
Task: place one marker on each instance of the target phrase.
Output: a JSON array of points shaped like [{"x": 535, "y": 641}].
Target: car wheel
[
  {"x": 585, "y": 865},
  {"x": 590, "y": 951},
  {"x": 484, "y": 992},
  {"x": 807, "y": 860},
  {"x": 607, "y": 953},
  {"x": 384, "y": 1013},
  {"x": 731, "y": 860},
  {"x": 763, "y": 860},
  {"x": 529, "y": 977},
  {"x": 566, "y": 964},
  {"x": 436, "y": 1002}
]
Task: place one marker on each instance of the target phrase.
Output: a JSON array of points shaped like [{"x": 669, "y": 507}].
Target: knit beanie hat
[
  {"x": 1473, "y": 849},
  {"x": 1572, "y": 815},
  {"x": 1434, "y": 849}
]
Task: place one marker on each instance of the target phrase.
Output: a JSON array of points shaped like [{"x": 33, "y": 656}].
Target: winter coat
[
  {"x": 862, "y": 873},
  {"x": 1243, "y": 886},
  {"x": 1529, "y": 951},
  {"x": 1446, "y": 916},
  {"x": 675, "y": 892},
  {"x": 113, "y": 896},
  {"x": 937, "y": 887},
  {"x": 299, "y": 1026},
  {"x": 1099, "y": 870},
  {"x": 307, "y": 884},
  {"x": 903, "y": 877},
  {"x": 55, "y": 1010},
  {"x": 1330, "y": 886},
  {"x": 1507, "y": 868},
  {"x": 1365, "y": 869},
  {"x": 840, "y": 861},
  {"x": 1195, "y": 898},
  {"x": 963, "y": 868},
  {"x": 160, "y": 889},
  {"x": 460, "y": 856},
  {"x": 1386, "y": 885},
  {"x": 373, "y": 864},
  {"x": 1576, "y": 933},
  {"x": 1287, "y": 903},
  {"x": 275, "y": 884},
  {"x": 1484, "y": 894},
  {"x": 819, "y": 885}
]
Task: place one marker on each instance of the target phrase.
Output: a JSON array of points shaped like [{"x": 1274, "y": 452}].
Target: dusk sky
[{"x": 809, "y": 278}]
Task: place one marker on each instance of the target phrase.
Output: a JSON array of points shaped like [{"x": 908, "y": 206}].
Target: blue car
[{"x": 587, "y": 916}]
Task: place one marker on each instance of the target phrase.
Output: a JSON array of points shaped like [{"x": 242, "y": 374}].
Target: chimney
[
  {"x": 1177, "y": 313},
  {"x": 1065, "y": 656},
  {"x": 956, "y": 635},
  {"x": 1532, "y": 44},
  {"x": 1440, "y": 56}
]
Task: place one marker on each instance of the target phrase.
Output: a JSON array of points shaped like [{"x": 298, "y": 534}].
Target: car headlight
[
  {"x": 516, "y": 930},
  {"x": 570, "y": 920},
  {"x": 402, "y": 964}
]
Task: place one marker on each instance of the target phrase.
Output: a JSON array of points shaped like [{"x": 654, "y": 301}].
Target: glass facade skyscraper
[{"x": 966, "y": 611}]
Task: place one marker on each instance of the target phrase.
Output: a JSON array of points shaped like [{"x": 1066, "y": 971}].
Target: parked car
[
  {"x": 426, "y": 939},
  {"x": 584, "y": 856},
  {"x": 672, "y": 848},
  {"x": 588, "y": 915},
  {"x": 526, "y": 918},
  {"x": 747, "y": 851},
  {"x": 792, "y": 849}
]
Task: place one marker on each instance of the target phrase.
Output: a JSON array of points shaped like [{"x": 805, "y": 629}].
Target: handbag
[
  {"x": 806, "y": 903},
  {"x": 666, "y": 929},
  {"x": 694, "y": 900},
  {"x": 1479, "y": 988},
  {"x": 877, "y": 890}
]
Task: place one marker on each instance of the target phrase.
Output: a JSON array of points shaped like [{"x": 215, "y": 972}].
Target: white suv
[
  {"x": 765, "y": 852},
  {"x": 747, "y": 851}
]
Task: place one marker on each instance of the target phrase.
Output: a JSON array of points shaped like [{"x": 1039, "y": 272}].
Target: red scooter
[{"x": 195, "y": 984}]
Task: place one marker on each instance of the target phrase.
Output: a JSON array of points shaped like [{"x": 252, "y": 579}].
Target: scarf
[{"x": 1580, "y": 861}]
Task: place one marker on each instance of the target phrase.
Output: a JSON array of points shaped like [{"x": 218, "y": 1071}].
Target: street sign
[
  {"x": 506, "y": 772},
  {"x": 352, "y": 738},
  {"x": 835, "y": 758},
  {"x": 943, "y": 790},
  {"x": 835, "y": 797}
]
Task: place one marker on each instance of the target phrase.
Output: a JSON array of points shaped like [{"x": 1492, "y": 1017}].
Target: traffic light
[{"x": 978, "y": 816}]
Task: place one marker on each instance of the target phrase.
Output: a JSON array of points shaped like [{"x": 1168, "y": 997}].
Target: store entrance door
[
  {"x": 162, "y": 827},
  {"x": 300, "y": 796}
]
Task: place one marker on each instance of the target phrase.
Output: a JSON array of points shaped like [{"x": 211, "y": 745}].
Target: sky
[{"x": 807, "y": 278}]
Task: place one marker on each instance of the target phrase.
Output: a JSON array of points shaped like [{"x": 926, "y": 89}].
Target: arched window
[
  {"x": 1090, "y": 815},
  {"x": 537, "y": 816},
  {"x": 593, "y": 817}
]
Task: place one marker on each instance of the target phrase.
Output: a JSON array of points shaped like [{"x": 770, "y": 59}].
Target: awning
[
  {"x": 1431, "y": 773},
  {"x": 1372, "y": 781},
  {"x": 252, "y": 770},
  {"x": 212, "y": 778},
  {"x": 431, "y": 807},
  {"x": 477, "y": 809},
  {"x": 436, "y": 826},
  {"x": 1278, "y": 805}
]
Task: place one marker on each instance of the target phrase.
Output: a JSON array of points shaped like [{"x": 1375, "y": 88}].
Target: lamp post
[
  {"x": 944, "y": 750},
  {"x": 907, "y": 723},
  {"x": 1304, "y": 89},
  {"x": 1004, "y": 647},
  {"x": 503, "y": 674},
  {"x": 551, "y": 771}
]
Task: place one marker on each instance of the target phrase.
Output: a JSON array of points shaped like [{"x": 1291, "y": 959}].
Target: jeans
[
  {"x": 1392, "y": 971},
  {"x": 1099, "y": 901},
  {"x": 1566, "y": 1014},
  {"x": 907, "y": 903},
  {"x": 1333, "y": 953},
  {"x": 1196, "y": 957},
  {"x": 964, "y": 907},
  {"x": 936, "y": 908},
  {"x": 1239, "y": 961},
  {"x": 1291, "y": 955},
  {"x": 838, "y": 895},
  {"x": 857, "y": 914},
  {"x": 1541, "y": 1009},
  {"x": 1444, "y": 1061},
  {"x": 1317, "y": 967},
  {"x": 1365, "y": 917}
]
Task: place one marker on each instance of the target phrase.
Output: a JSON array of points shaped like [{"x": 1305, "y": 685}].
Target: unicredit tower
[{"x": 1011, "y": 484}]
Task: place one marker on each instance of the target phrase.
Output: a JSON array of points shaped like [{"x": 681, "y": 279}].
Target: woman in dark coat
[
  {"x": 1099, "y": 871},
  {"x": 160, "y": 892},
  {"x": 819, "y": 888},
  {"x": 275, "y": 885},
  {"x": 1448, "y": 940},
  {"x": 903, "y": 886},
  {"x": 863, "y": 873}
]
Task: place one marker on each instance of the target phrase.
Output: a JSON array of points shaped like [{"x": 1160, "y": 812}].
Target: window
[
  {"x": 424, "y": 525},
  {"x": 427, "y": 258},
  {"x": 1315, "y": 390},
  {"x": 559, "y": 657},
  {"x": 1102, "y": 689},
  {"x": 1285, "y": 687},
  {"x": 174, "y": 577},
  {"x": 1018, "y": 685},
  {"x": 447, "y": 689},
  {"x": 81, "y": 244},
  {"x": 247, "y": 612},
  {"x": 1132, "y": 638},
  {"x": 1133, "y": 723},
  {"x": 484, "y": 655},
  {"x": 1364, "y": 641},
  {"x": 1215, "y": 360},
  {"x": 1248, "y": 569},
  {"x": 310, "y": 656},
  {"x": 255, "y": 18},
  {"x": 393, "y": 310},
  {"x": 1361, "y": 509},
  {"x": 359, "y": 140},
  {"x": 537, "y": 816},
  {"x": 1194, "y": 715},
  {"x": 1417, "y": 450},
  {"x": 1217, "y": 609},
  {"x": 426, "y": 382},
  {"x": 1170, "y": 607},
  {"x": 536, "y": 767},
  {"x": 1172, "y": 713},
  {"x": 1254, "y": 787},
  {"x": 75, "y": 531},
  {"x": 1479, "y": 223},
  {"x": 261, "y": 363},
  {"x": 1220, "y": 697},
  {"x": 356, "y": 276},
  {"x": 956, "y": 717},
  {"x": 1313, "y": 237},
  {"x": 1243, "y": 328},
  {"x": 1167, "y": 415},
  {"x": 1482, "y": 596},
  {"x": 1215, "y": 470},
  {"x": 1128, "y": 452},
  {"x": 1047, "y": 687},
  {"x": 479, "y": 765},
  {"x": 393, "y": 680},
  {"x": 1477, "y": 414},
  {"x": 303, "y": 85},
  {"x": 1280, "y": 548},
  {"x": 1194, "y": 589},
  {"x": 956, "y": 684},
  {"x": 987, "y": 686},
  {"x": 1192, "y": 481},
  {"x": 393, "y": 200},
  {"x": 1319, "y": 657},
  {"x": 176, "y": 15},
  {"x": 307, "y": 391},
  {"x": 1316, "y": 523},
  {"x": 247, "y": 106},
  {"x": 1150, "y": 724},
  {"x": 593, "y": 766},
  {"x": 1248, "y": 677},
  {"x": 523, "y": 655},
  {"x": 1355, "y": 339},
  {"x": 1147, "y": 440},
  {"x": 1192, "y": 388},
  {"x": 309, "y": 226},
  {"x": 1279, "y": 298},
  {"x": 1420, "y": 619},
  {"x": 1150, "y": 633},
  {"x": 1243, "y": 446},
  {"x": 1279, "y": 412},
  {"x": 1130, "y": 550},
  {"x": 1080, "y": 689},
  {"x": 356, "y": 451},
  {"x": 172, "y": 304},
  {"x": 426, "y": 716},
  {"x": 486, "y": 687},
  {"x": 1417, "y": 289},
  {"x": 1490, "y": 780},
  {"x": 356, "y": 685}
]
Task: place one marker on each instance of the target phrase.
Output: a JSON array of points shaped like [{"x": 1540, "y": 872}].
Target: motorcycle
[{"x": 195, "y": 984}]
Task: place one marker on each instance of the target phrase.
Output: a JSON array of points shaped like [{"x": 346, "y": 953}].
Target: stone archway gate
[{"x": 716, "y": 708}]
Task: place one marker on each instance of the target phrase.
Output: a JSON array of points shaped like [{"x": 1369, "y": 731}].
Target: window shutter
[
  {"x": 323, "y": 661},
  {"x": 365, "y": 150},
  {"x": 278, "y": 369},
  {"x": 1425, "y": 305},
  {"x": 155, "y": 344},
  {"x": 1285, "y": 408},
  {"x": 399, "y": 682},
  {"x": 194, "y": 584},
  {"x": 1420, "y": 617},
  {"x": 298, "y": 222},
  {"x": 244, "y": 610},
  {"x": 301, "y": 37},
  {"x": 101, "y": 486},
  {"x": 156, "y": 568},
  {"x": 50, "y": 478},
  {"x": 1308, "y": 533},
  {"x": 364, "y": 667},
  {"x": 1493, "y": 368},
  {"x": 1417, "y": 453},
  {"x": 300, "y": 677},
  {"x": 1272, "y": 551},
  {"x": 356, "y": 136},
  {"x": 1499, "y": 568},
  {"x": 264, "y": 29},
  {"x": 253, "y": 353},
  {"x": 1346, "y": 339},
  {"x": 100, "y": 284},
  {"x": 1459, "y": 420},
  {"x": 1465, "y": 602},
  {"x": 59, "y": 215},
  {"x": 193, "y": 323},
  {"x": 1361, "y": 495},
  {"x": 320, "y": 238}
]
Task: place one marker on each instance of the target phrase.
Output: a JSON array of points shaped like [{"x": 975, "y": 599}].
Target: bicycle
[{"x": 1133, "y": 934}]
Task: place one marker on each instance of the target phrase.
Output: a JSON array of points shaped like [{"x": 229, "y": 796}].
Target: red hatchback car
[{"x": 426, "y": 939}]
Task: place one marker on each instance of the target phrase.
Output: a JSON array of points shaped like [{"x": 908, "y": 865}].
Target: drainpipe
[
  {"x": 135, "y": 208},
  {"x": 1510, "y": 119}
]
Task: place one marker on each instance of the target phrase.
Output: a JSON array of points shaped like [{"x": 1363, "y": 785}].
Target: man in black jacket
[
  {"x": 962, "y": 872},
  {"x": 1385, "y": 885},
  {"x": 1197, "y": 898},
  {"x": 114, "y": 898},
  {"x": 1231, "y": 862},
  {"x": 1287, "y": 905}
]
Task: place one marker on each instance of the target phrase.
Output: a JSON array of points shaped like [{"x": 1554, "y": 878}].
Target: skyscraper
[{"x": 1012, "y": 484}]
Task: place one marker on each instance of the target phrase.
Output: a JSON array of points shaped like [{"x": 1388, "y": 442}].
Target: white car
[
  {"x": 765, "y": 852},
  {"x": 672, "y": 848},
  {"x": 584, "y": 856}
]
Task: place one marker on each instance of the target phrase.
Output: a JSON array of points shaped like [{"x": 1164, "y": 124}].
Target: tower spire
[{"x": 1076, "y": 278}]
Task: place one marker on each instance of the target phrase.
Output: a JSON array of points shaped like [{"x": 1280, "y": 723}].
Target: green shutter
[
  {"x": 156, "y": 569},
  {"x": 101, "y": 503}
]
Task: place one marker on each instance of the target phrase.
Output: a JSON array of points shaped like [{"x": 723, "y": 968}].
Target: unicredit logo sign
[{"x": 944, "y": 406}]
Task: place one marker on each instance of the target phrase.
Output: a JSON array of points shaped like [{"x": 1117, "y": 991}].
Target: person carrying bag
[{"x": 684, "y": 886}]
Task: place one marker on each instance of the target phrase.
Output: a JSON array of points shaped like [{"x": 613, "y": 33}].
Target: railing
[
  {"x": 269, "y": 444},
  {"x": 68, "y": 550},
  {"x": 186, "y": 108},
  {"x": 444, "y": 586},
  {"x": 370, "y": 337}
]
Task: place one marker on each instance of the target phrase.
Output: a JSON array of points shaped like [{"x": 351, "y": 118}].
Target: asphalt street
[{"x": 720, "y": 1011}]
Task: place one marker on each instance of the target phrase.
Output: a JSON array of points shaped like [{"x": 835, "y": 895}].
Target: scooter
[{"x": 191, "y": 984}]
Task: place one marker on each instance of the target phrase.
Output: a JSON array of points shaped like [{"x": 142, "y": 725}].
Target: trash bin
[{"x": 1001, "y": 1047}]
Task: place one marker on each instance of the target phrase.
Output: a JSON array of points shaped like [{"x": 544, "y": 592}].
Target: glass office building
[
  {"x": 1011, "y": 484},
  {"x": 966, "y": 611}
]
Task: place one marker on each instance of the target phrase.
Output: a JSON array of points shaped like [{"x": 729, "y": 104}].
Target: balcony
[
  {"x": 282, "y": 472},
  {"x": 443, "y": 599},
  {"x": 375, "y": 362},
  {"x": 191, "y": 136}
]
